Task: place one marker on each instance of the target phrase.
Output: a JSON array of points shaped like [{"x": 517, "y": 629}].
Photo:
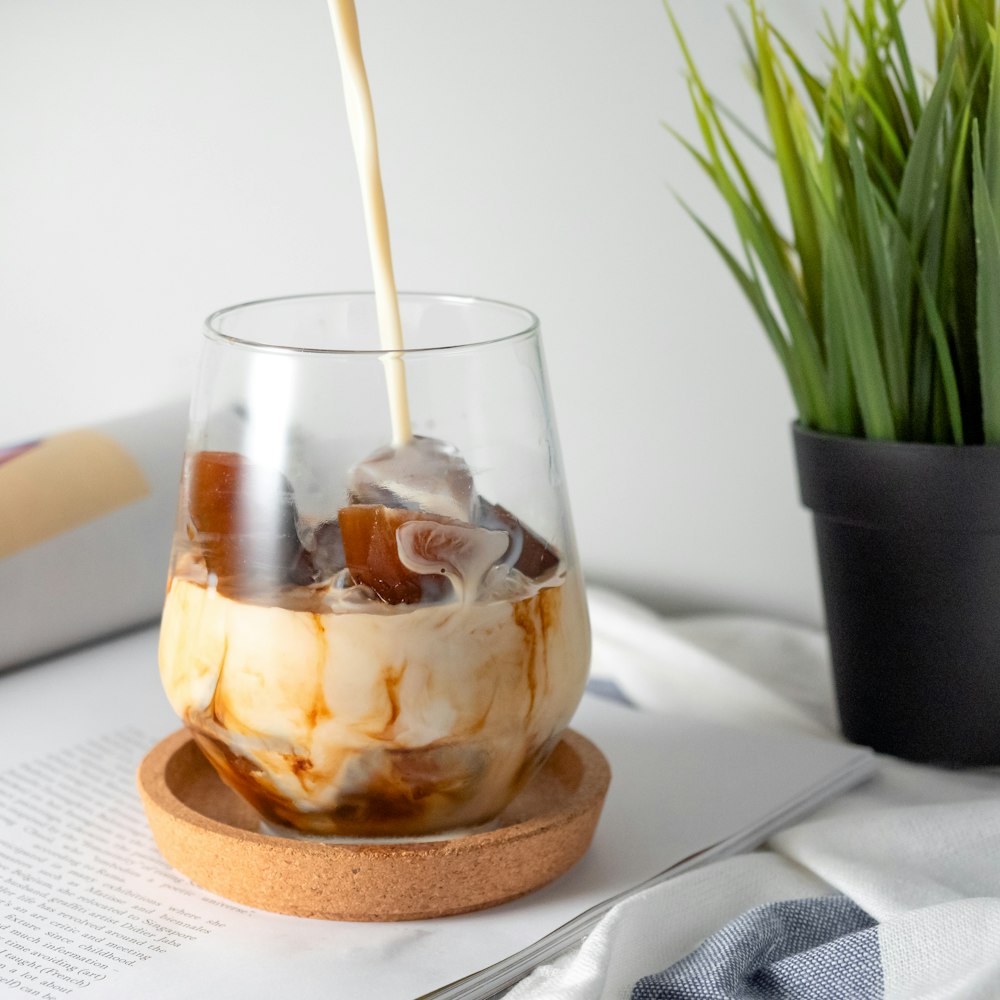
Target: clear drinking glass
[{"x": 370, "y": 637}]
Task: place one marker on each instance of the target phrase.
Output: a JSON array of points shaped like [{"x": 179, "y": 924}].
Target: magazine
[{"x": 88, "y": 906}]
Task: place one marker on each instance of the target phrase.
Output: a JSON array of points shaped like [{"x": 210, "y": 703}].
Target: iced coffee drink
[
  {"x": 369, "y": 639},
  {"x": 400, "y": 668}
]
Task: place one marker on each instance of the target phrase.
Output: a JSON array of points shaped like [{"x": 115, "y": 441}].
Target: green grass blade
[
  {"x": 875, "y": 77},
  {"x": 757, "y": 231},
  {"x": 716, "y": 168},
  {"x": 946, "y": 380},
  {"x": 832, "y": 169},
  {"x": 814, "y": 89},
  {"x": 742, "y": 173},
  {"x": 886, "y": 130},
  {"x": 880, "y": 270},
  {"x": 776, "y": 94},
  {"x": 991, "y": 135},
  {"x": 936, "y": 337},
  {"x": 939, "y": 414},
  {"x": 711, "y": 127},
  {"x": 751, "y": 288},
  {"x": 748, "y": 48},
  {"x": 788, "y": 296},
  {"x": 974, "y": 26},
  {"x": 845, "y": 413},
  {"x": 944, "y": 28},
  {"x": 849, "y": 319},
  {"x": 955, "y": 287},
  {"x": 987, "y": 294},
  {"x": 957, "y": 223},
  {"x": 908, "y": 81},
  {"x": 724, "y": 111},
  {"x": 930, "y": 343},
  {"x": 916, "y": 190},
  {"x": 922, "y": 388}
]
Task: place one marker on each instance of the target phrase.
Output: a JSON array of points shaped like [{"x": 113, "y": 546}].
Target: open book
[{"x": 87, "y": 905}]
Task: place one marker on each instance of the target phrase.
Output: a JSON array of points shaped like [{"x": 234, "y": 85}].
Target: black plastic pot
[{"x": 908, "y": 539}]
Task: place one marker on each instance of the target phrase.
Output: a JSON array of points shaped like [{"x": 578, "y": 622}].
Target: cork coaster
[{"x": 210, "y": 834}]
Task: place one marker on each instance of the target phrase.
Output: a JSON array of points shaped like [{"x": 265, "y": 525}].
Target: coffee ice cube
[
  {"x": 243, "y": 516},
  {"x": 408, "y": 557},
  {"x": 423, "y": 474},
  {"x": 528, "y": 553},
  {"x": 369, "y": 536}
]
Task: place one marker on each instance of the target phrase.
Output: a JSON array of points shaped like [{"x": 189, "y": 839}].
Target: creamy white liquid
[
  {"x": 472, "y": 694},
  {"x": 361, "y": 119}
]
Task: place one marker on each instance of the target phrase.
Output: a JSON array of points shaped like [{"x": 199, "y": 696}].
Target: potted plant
[{"x": 882, "y": 303}]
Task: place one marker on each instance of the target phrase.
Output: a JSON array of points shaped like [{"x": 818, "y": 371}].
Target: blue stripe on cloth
[{"x": 804, "y": 949}]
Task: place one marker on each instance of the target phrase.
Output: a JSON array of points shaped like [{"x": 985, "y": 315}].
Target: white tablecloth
[{"x": 917, "y": 848}]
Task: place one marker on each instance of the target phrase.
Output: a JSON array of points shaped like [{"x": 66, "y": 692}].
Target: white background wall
[{"x": 159, "y": 160}]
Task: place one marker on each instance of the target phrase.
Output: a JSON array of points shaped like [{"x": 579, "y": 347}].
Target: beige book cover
[{"x": 86, "y": 518}]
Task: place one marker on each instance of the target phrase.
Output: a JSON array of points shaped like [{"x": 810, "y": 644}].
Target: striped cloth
[
  {"x": 816, "y": 949},
  {"x": 891, "y": 892}
]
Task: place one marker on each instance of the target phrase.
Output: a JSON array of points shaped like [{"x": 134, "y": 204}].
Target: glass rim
[{"x": 212, "y": 332}]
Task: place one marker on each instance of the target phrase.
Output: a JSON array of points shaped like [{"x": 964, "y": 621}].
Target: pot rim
[{"x": 897, "y": 485}]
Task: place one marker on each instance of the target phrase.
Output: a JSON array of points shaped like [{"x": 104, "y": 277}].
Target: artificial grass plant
[{"x": 882, "y": 300}]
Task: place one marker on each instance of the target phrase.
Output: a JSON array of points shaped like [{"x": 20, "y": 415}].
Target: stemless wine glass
[{"x": 372, "y": 632}]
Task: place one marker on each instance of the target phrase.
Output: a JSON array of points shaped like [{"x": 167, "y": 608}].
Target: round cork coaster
[{"x": 207, "y": 832}]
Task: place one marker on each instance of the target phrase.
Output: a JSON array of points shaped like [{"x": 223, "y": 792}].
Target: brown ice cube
[
  {"x": 244, "y": 520},
  {"x": 536, "y": 558},
  {"x": 369, "y": 536},
  {"x": 441, "y": 552}
]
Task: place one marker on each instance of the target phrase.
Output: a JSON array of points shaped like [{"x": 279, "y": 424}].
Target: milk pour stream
[{"x": 361, "y": 118}]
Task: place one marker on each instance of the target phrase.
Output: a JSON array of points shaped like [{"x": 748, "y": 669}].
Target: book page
[
  {"x": 88, "y": 907},
  {"x": 83, "y": 893}
]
